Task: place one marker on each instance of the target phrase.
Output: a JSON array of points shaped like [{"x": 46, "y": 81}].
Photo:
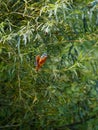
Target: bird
[{"x": 40, "y": 60}]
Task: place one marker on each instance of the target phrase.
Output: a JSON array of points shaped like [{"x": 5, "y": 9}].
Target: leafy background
[{"x": 63, "y": 94}]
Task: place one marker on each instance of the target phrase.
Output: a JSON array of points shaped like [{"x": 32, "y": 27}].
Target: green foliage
[{"x": 63, "y": 93}]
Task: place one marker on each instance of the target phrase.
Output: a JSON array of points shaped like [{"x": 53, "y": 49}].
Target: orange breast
[{"x": 40, "y": 61}]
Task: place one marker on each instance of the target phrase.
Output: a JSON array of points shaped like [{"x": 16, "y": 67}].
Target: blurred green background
[{"x": 63, "y": 94}]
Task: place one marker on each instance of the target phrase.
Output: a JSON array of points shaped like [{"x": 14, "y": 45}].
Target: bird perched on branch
[{"x": 40, "y": 60}]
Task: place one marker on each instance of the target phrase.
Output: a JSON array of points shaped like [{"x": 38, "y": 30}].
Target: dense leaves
[{"x": 63, "y": 93}]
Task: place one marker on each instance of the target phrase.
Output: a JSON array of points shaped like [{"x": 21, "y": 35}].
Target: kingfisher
[{"x": 40, "y": 60}]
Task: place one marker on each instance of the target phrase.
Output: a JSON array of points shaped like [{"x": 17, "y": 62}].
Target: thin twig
[
  {"x": 22, "y": 14},
  {"x": 9, "y": 126},
  {"x": 19, "y": 81},
  {"x": 73, "y": 125}
]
